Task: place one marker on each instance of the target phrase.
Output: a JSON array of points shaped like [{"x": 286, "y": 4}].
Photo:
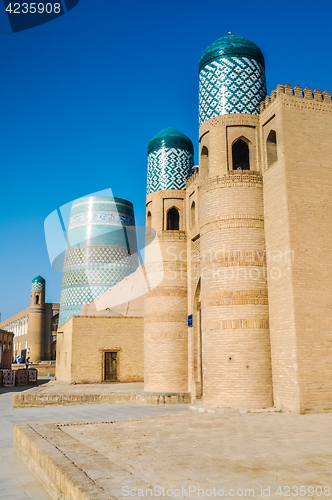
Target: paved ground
[
  {"x": 57, "y": 387},
  {"x": 16, "y": 481},
  {"x": 266, "y": 455}
]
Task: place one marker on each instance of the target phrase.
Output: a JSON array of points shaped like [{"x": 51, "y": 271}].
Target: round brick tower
[
  {"x": 170, "y": 162},
  {"x": 234, "y": 304},
  {"x": 36, "y": 323},
  {"x": 101, "y": 251}
]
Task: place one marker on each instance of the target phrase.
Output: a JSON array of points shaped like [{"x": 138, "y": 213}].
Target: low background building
[
  {"x": 35, "y": 328},
  {"x": 94, "y": 349}
]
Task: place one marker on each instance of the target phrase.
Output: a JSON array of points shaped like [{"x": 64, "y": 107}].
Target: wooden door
[{"x": 111, "y": 361}]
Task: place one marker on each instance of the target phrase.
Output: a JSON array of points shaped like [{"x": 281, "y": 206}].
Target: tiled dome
[
  {"x": 170, "y": 160},
  {"x": 232, "y": 46},
  {"x": 171, "y": 138},
  {"x": 231, "y": 78},
  {"x": 38, "y": 279}
]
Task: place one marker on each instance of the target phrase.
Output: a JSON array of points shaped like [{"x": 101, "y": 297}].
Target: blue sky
[{"x": 83, "y": 95}]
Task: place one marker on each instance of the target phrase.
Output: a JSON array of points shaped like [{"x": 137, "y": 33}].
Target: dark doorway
[
  {"x": 240, "y": 154},
  {"x": 111, "y": 366},
  {"x": 173, "y": 220}
]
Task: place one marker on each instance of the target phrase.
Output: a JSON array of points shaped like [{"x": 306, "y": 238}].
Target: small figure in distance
[{"x": 27, "y": 361}]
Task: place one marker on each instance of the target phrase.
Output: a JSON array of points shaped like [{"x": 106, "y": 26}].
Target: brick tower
[
  {"x": 236, "y": 355},
  {"x": 170, "y": 162},
  {"x": 36, "y": 324}
]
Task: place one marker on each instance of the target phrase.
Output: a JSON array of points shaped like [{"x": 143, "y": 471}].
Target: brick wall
[
  {"x": 82, "y": 341},
  {"x": 298, "y": 213}
]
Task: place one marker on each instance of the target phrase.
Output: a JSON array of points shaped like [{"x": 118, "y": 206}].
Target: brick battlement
[{"x": 297, "y": 91}]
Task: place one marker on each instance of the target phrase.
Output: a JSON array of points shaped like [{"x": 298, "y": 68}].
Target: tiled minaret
[
  {"x": 234, "y": 304},
  {"x": 101, "y": 251},
  {"x": 170, "y": 162}
]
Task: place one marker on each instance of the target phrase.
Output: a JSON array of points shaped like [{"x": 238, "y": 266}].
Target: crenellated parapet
[{"x": 297, "y": 92}]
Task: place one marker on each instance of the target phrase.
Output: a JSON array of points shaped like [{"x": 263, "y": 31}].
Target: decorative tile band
[
  {"x": 169, "y": 168},
  {"x": 112, "y": 219},
  {"x": 231, "y": 85},
  {"x": 72, "y": 300},
  {"x": 37, "y": 286},
  {"x": 92, "y": 256},
  {"x": 108, "y": 276},
  {"x": 77, "y": 296},
  {"x": 242, "y": 297},
  {"x": 214, "y": 226},
  {"x": 239, "y": 324}
]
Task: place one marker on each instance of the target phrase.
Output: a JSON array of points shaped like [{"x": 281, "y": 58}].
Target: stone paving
[
  {"x": 16, "y": 481},
  {"x": 271, "y": 455},
  {"x": 58, "y": 393},
  {"x": 57, "y": 387}
]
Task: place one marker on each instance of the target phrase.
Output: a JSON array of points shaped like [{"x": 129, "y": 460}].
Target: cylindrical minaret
[
  {"x": 101, "y": 251},
  {"x": 234, "y": 304},
  {"x": 170, "y": 162},
  {"x": 36, "y": 322}
]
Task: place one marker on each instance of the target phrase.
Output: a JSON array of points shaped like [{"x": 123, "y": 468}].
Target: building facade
[{"x": 243, "y": 316}]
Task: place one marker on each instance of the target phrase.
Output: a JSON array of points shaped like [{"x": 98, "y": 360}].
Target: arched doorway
[
  {"x": 240, "y": 155},
  {"x": 173, "y": 219}
]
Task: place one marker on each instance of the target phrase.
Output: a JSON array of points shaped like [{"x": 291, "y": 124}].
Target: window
[
  {"x": 240, "y": 155},
  {"x": 204, "y": 163},
  {"x": 271, "y": 148},
  {"x": 173, "y": 219},
  {"x": 192, "y": 214},
  {"x": 148, "y": 219},
  {"x": 37, "y": 299}
]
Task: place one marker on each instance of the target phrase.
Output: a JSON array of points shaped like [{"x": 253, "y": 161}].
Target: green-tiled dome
[
  {"x": 231, "y": 46},
  {"x": 38, "y": 279},
  {"x": 171, "y": 138}
]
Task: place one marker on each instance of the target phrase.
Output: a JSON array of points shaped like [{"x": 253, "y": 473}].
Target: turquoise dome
[
  {"x": 170, "y": 160},
  {"x": 171, "y": 138},
  {"x": 38, "y": 279},
  {"x": 231, "y": 78},
  {"x": 231, "y": 46}
]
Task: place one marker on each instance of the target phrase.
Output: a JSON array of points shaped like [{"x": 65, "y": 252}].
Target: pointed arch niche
[
  {"x": 204, "y": 162},
  {"x": 271, "y": 148},
  {"x": 173, "y": 219},
  {"x": 240, "y": 154},
  {"x": 242, "y": 147}
]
